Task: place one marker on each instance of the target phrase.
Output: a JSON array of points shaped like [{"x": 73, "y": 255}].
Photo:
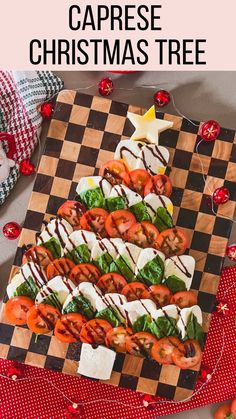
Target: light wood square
[
  {"x": 21, "y": 338},
  {"x": 136, "y": 109},
  {"x": 70, "y": 367},
  {"x": 231, "y": 172},
  {"x": 200, "y": 259},
  {"x": 206, "y": 320},
  {"x": 222, "y": 150},
  {"x": 182, "y": 393},
  {"x": 104, "y": 156},
  {"x": 38, "y": 202},
  {"x": 132, "y": 365},
  {"x": 101, "y": 104},
  {"x": 145, "y": 385},
  {"x": 186, "y": 141},
  {"x": 4, "y": 349},
  {"x": 113, "y": 380},
  {"x": 198, "y": 165},
  {"x": 178, "y": 177},
  {"x": 70, "y": 151},
  {"x": 169, "y": 375},
  {"x": 79, "y": 115},
  {"x": 205, "y": 223},
  {"x": 92, "y": 138},
  {"x": 218, "y": 245},
  {"x": 191, "y": 200},
  {"x": 26, "y": 237},
  {"x": 212, "y": 183},
  {"x": 209, "y": 283},
  {"x": 57, "y": 348},
  {"x": 35, "y": 359},
  {"x": 67, "y": 96},
  {"x": 115, "y": 123},
  {"x": 48, "y": 165},
  {"x": 57, "y": 129},
  {"x": 177, "y": 121},
  {"x": 61, "y": 187},
  {"x": 82, "y": 170}
]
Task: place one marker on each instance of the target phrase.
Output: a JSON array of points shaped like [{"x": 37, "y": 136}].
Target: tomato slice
[
  {"x": 184, "y": 299},
  {"x": 94, "y": 331},
  {"x": 111, "y": 283},
  {"x": 233, "y": 407},
  {"x": 39, "y": 255},
  {"x": 41, "y": 318},
  {"x": 72, "y": 211},
  {"x": 139, "y": 179},
  {"x": 140, "y": 343},
  {"x": 158, "y": 184},
  {"x": 224, "y": 411},
  {"x": 16, "y": 310},
  {"x": 135, "y": 291},
  {"x": 62, "y": 266},
  {"x": 172, "y": 242},
  {"x": 118, "y": 223},
  {"x": 85, "y": 272},
  {"x": 68, "y": 327},
  {"x": 187, "y": 355},
  {"x": 160, "y": 294},
  {"x": 116, "y": 338},
  {"x": 115, "y": 172},
  {"x": 94, "y": 220},
  {"x": 143, "y": 234},
  {"x": 163, "y": 349}
]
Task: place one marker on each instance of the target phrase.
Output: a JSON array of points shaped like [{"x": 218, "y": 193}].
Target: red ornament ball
[
  {"x": 11, "y": 230},
  {"x": 105, "y": 86},
  {"x": 15, "y": 371},
  {"x": 209, "y": 130},
  {"x": 149, "y": 401},
  {"x": 26, "y": 167},
  {"x": 162, "y": 98},
  {"x": 223, "y": 309},
  {"x": 46, "y": 110},
  {"x": 231, "y": 252},
  {"x": 221, "y": 195},
  {"x": 74, "y": 411},
  {"x": 205, "y": 374}
]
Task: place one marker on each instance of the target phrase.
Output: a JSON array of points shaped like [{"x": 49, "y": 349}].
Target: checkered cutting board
[{"x": 83, "y": 134}]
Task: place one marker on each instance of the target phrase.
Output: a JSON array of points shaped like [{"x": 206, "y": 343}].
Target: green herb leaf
[
  {"x": 103, "y": 263},
  {"x": 230, "y": 416},
  {"x": 115, "y": 203},
  {"x": 163, "y": 219},
  {"x": 167, "y": 326},
  {"x": 140, "y": 211},
  {"x": 194, "y": 330},
  {"x": 175, "y": 284},
  {"x": 27, "y": 289},
  {"x": 52, "y": 300},
  {"x": 93, "y": 198},
  {"x": 80, "y": 254},
  {"x": 80, "y": 305},
  {"x": 122, "y": 266},
  {"x": 54, "y": 246},
  {"x": 152, "y": 272},
  {"x": 110, "y": 315},
  {"x": 143, "y": 324}
]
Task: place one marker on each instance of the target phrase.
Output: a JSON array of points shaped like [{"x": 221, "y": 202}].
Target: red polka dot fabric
[{"x": 35, "y": 396}]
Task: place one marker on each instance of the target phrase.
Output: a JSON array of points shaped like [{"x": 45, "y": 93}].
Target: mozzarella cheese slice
[
  {"x": 171, "y": 311},
  {"x": 131, "y": 197},
  {"x": 79, "y": 237},
  {"x": 96, "y": 363},
  {"x": 93, "y": 182},
  {"x": 58, "y": 228},
  {"x": 128, "y": 151},
  {"x": 105, "y": 246},
  {"x": 145, "y": 256},
  {"x": 93, "y": 294},
  {"x": 117, "y": 301},
  {"x": 16, "y": 281},
  {"x": 130, "y": 252},
  {"x": 138, "y": 308},
  {"x": 154, "y": 201},
  {"x": 182, "y": 267},
  {"x": 184, "y": 316},
  {"x": 60, "y": 286},
  {"x": 153, "y": 158},
  {"x": 36, "y": 273}
]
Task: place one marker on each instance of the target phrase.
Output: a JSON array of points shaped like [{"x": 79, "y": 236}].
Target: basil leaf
[
  {"x": 103, "y": 263},
  {"x": 163, "y": 219},
  {"x": 194, "y": 330},
  {"x": 81, "y": 305},
  {"x": 110, "y": 315},
  {"x": 142, "y": 324},
  {"x": 27, "y": 289},
  {"x": 80, "y": 254},
  {"x": 115, "y": 203},
  {"x": 167, "y": 326},
  {"x": 152, "y": 272},
  {"x": 93, "y": 198},
  {"x": 52, "y": 300},
  {"x": 54, "y": 246},
  {"x": 140, "y": 211},
  {"x": 230, "y": 416},
  {"x": 122, "y": 266},
  {"x": 175, "y": 284}
]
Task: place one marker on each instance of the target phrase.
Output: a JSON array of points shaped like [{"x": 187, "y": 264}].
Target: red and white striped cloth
[{"x": 38, "y": 399}]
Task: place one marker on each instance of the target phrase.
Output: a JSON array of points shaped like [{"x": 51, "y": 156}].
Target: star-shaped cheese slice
[{"x": 147, "y": 126}]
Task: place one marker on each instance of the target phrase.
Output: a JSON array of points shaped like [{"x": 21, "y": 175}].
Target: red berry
[
  {"x": 162, "y": 98},
  {"x": 209, "y": 130},
  {"x": 105, "y": 86},
  {"x": 221, "y": 195}
]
